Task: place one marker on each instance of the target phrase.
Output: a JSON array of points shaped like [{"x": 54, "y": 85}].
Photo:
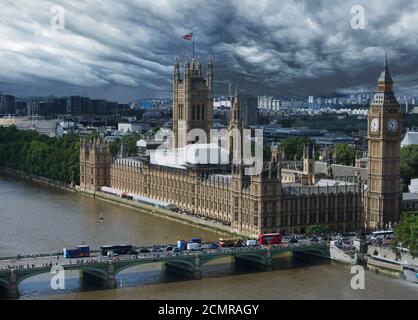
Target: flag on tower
[{"x": 188, "y": 36}]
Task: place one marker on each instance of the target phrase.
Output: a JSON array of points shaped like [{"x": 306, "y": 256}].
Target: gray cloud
[{"x": 125, "y": 49}]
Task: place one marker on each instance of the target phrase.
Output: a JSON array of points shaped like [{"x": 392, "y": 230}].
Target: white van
[{"x": 192, "y": 246}]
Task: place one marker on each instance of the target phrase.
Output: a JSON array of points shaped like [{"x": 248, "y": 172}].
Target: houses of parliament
[{"x": 286, "y": 196}]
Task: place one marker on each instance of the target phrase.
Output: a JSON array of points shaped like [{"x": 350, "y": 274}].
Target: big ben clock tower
[{"x": 384, "y": 135}]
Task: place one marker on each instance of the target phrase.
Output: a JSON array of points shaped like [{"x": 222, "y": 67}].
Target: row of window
[{"x": 198, "y": 112}]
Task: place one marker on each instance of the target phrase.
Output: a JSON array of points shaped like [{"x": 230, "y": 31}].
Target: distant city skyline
[{"x": 125, "y": 51}]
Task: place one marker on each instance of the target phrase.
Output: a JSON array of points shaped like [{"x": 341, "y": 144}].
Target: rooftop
[{"x": 411, "y": 137}]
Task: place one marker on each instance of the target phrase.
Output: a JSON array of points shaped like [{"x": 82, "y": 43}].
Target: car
[
  {"x": 111, "y": 254},
  {"x": 239, "y": 244},
  {"x": 175, "y": 250},
  {"x": 144, "y": 250},
  {"x": 156, "y": 249},
  {"x": 169, "y": 248},
  {"x": 313, "y": 239},
  {"x": 293, "y": 240},
  {"x": 213, "y": 246}
]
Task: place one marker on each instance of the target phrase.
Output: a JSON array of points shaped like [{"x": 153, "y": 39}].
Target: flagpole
[{"x": 193, "y": 43}]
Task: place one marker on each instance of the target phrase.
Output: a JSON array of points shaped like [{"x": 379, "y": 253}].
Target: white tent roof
[{"x": 410, "y": 138}]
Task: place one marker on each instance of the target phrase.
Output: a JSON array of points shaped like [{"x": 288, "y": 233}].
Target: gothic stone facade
[
  {"x": 95, "y": 161},
  {"x": 251, "y": 205}
]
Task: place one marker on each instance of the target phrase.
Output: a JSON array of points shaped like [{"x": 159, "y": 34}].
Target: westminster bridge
[{"x": 103, "y": 270}]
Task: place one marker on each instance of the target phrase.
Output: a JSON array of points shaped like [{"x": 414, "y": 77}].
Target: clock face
[
  {"x": 374, "y": 125},
  {"x": 392, "y": 125}
]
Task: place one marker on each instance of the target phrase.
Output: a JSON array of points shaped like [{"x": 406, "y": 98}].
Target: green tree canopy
[
  {"x": 317, "y": 229},
  {"x": 129, "y": 145},
  {"x": 346, "y": 154},
  {"x": 55, "y": 158},
  {"x": 409, "y": 163},
  {"x": 293, "y": 147},
  {"x": 406, "y": 233}
]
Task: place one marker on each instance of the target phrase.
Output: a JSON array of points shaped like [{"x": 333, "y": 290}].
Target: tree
[
  {"x": 55, "y": 158},
  {"x": 406, "y": 233},
  {"x": 293, "y": 147},
  {"x": 409, "y": 163},
  {"x": 129, "y": 145},
  {"x": 317, "y": 229},
  {"x": 346, "y": 154}
]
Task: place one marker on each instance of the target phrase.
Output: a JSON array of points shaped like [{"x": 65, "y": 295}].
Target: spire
[
  {"x": 385, "y": 77},
  {"x": 198, "y": 65},
  {"x": 235, "y": 118},
  {"x": 209, "y": 73},
  {"x": 122, "y": 150},
  {"x": 177, "y": 68},
  {"x": 187, "y": 71}
]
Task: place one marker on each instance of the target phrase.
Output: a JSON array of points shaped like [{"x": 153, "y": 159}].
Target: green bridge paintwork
[{"x": 191, "y": 263}]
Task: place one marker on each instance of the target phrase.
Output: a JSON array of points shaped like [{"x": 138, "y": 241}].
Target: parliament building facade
[{"x": 285, "y": 197}]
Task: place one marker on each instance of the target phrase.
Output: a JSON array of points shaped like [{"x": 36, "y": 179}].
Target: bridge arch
[
  {"x": 4, "y": 283},
  {"x": 318, "y": 252},
  {"x": 121, "y": 268},
  {"x": 22, "y": 276},
  {"x": 258, "y": 257},
  {"x": 181, "y": 262},
  {"x": 278, "y": 254}
]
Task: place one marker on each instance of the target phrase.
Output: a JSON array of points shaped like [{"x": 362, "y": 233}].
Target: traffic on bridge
[
  {"x": 102, "y": 266},
  {"x": 83, "y": 255}
]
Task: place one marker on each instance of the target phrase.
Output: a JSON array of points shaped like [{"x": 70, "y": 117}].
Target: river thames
[{"x": 35, "y": 218}]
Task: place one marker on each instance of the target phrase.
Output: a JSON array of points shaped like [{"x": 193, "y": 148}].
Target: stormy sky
[{"x": 123, "y": 50}]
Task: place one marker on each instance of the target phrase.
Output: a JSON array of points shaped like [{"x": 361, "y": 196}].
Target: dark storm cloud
[{"x": 125, "y": 49}]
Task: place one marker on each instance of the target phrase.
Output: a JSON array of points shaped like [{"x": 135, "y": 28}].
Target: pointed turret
[
  {"x": 176, "y": 73},
  {"x": 187, "y": 66},
  {"x": 210, "y": 73},
  {"x": 235, "y": 119},
  {"x": 385, "y": 81},
  {"x": 199, "y": 66}
]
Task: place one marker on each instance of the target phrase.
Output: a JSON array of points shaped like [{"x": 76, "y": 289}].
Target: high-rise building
[
  {"x": 21, "y": 108},
  {"x": 384, "y": 134},
  {"x": 74, "y": 105},
  {"x": 192, "y": 100},
  {"x": 77, "y": 105},
  {"x": 97, "y": 107},
  {"x": 311, "y": 99},
  {"x": 7, "y": 104},
  {"x": 249, "y": 112}
]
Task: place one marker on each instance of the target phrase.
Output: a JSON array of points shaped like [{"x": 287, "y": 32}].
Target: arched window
[{"x": 203, "y": 112}]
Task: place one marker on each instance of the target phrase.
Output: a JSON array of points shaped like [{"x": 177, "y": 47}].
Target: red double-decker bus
[{"x": 269, "y": 238}]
